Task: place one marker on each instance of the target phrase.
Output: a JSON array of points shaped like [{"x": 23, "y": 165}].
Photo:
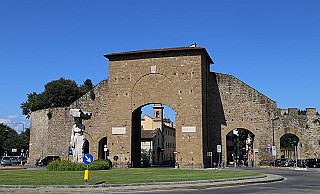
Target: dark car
[
  {"x": 286, "y": 162},
  {"x": 277, "y": 162},
  {"x": 46, "y": 160},
  {"x": 313, "y": 163},
  {"x": 301, "y": 163},
  {"x": 6, "y": 161},
  {"x": 14, "y": 160}
]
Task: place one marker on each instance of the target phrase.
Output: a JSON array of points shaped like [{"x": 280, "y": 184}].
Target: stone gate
[{"x": 208, "y": 107}]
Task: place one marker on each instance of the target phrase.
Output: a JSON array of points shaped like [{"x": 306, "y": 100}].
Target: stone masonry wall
[
  {"x": 245, "y": 107},
  {"x": 213, "y": 103},
  {"x": 50, "y": 135}
]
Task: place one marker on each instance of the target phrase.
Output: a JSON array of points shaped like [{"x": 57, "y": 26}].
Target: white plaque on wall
[
  {"x": 153, "y": 69},
  {"x": 189, "y": 129},
  {"x": 118, "y": 130}
]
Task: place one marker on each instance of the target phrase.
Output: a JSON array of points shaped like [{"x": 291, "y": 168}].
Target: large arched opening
[{"x": 153, "y": 135}]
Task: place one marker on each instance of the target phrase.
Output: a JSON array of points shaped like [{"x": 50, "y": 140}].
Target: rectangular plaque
[
  {"x": 118, "y": 130},
  {"x": 153, "y": 69},
  {"x": 189, "y": 129}
]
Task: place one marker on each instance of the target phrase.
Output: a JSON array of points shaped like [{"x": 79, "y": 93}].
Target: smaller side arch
[
  {"x": 281, "y": 132},
  {"x": 234, "y": 125},
  {"x": 102, "y": 154}
]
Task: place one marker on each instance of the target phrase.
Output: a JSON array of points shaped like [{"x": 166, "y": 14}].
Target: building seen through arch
[{"x": 157, "y": 138}]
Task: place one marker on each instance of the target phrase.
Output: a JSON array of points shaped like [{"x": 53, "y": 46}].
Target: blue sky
[{"x": 271, "y": 45}]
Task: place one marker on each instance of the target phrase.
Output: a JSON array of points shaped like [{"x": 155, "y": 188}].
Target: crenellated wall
[{"x": 208, "y": 106}]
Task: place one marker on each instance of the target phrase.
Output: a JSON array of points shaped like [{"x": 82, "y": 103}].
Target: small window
[{"x": 157, "y": 114}]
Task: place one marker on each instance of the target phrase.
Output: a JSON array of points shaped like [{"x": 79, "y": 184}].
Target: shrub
[{"x": 65, "y": 165}]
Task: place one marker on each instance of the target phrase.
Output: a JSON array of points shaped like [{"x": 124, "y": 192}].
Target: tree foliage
[
  {"x": 10, "y": 139},
  {"x": 57, "y": 93},
  {"x": 286, "y": 141},
  {"x": 166, "y": 120}
]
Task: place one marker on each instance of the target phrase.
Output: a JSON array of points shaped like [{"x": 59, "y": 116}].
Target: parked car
[
  {"x": 313, "y": 163},
  {"x": 286, "y": 162},
  {"x": 301, "y": 163},
  {"x": 6, "y": 161},
  {"x": 277, "y": 162},
  {"x": 46, "y": 160},
  {"x": 14, "y": 160}
]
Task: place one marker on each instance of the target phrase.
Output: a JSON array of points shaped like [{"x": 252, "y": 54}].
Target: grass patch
[{"x": 115, "y": 176}]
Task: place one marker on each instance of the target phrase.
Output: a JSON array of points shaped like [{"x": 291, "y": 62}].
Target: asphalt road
[{"x": 296, "y": 181}]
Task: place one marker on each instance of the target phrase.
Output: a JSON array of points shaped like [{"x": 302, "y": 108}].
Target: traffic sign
[
  {"x": 70, "y": 151},
  {"x": 219, "y": 148},
  {"x": 175, "y": 152},
  {"x": 274, "y": 151},
  {"x": 105, "y": 148},
  {"x": 269, "y": 149},
  {"x": 209, "y": 153},
  {"x": 87, "y": 159}
]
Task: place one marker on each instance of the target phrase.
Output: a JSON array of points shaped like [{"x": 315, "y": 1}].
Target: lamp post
[
  {"x": 273, "y": 144},
  {"x": 273, "y": 119},
  {"x": 20, "y": 124}
]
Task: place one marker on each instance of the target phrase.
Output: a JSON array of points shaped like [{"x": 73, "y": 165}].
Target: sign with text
[
  {"x": 118, "y": 130},
  {"x": 274, "y": 151},
  {"x": 219, "y": 148},
  {"x": 189, "y": 129}
]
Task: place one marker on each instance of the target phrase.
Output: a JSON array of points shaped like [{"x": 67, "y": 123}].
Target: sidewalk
[{"x": 140, "y": 187}]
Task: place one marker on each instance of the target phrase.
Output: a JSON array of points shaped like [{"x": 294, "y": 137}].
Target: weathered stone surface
[{"x": 211, "y": 103}]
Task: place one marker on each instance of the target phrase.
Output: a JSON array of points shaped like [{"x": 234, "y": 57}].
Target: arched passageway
[
  {"x": 240, "y": 149},
  {"x": 240, "y": 143},
  {"x": 153, "y": 135},
  {"x": 289, "y": 146},
  {"x": 103, "y": 152},
  {"x": 284, "y": 138},
  {"x": 86, "y": 146}
]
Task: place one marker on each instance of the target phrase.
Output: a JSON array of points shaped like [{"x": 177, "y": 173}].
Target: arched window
[{"x": 157, "y": 114}]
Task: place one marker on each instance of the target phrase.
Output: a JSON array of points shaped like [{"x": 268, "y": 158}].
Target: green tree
[
  {"x": 166, "y": 120},
  {"x": 8, "y": 139},
  {"x": 286, "y": 142},
  {"x": 24, "y": 140},
  {"x": 145, "y": 155},
  {"x": 57, "y": 93}
]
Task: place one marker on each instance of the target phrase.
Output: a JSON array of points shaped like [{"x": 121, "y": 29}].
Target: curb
[
  {"x": 13, "y": 168},
  {"x": 267, "y": 178}
]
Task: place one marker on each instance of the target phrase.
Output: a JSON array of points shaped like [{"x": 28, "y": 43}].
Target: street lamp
[
  {"x": 20, "y": 124},
  {"x": 273, "y": 119}
]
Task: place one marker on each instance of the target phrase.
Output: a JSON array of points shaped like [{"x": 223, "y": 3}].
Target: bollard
[{"x": 86, "y": 176}]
